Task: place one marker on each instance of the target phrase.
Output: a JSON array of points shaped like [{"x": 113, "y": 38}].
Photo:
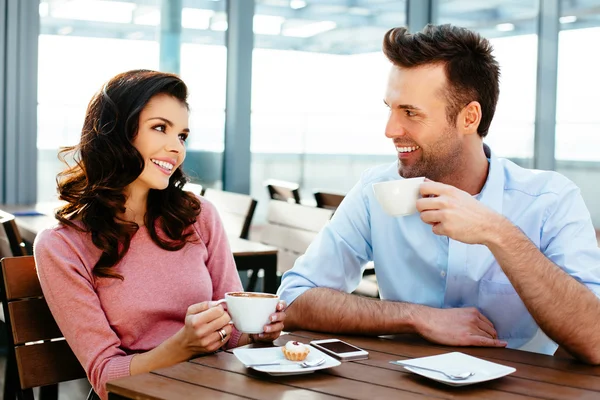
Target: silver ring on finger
[{"x": 223, "y": 334}]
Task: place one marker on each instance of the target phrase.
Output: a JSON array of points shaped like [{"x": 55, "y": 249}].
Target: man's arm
[
  {"x": 328, "y": 310},
  {"x": 566, "y": 310}
]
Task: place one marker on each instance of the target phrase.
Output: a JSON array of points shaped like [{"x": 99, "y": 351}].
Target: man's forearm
[
  {"x": 566, "y": 310},
  {"x": 328, "y": 310}
]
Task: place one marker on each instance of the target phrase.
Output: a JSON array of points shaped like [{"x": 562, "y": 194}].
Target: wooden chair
[
  {"x": 330, "y": 201},
  {"x": 37, "y": 357},
  {"x": 236, "y": 210},
  {"x": 11, "y": 243},
  {"x": 284, "y": 191},
  {"x": 291, "y": 228},
  {"x": 195, "y": 188}
]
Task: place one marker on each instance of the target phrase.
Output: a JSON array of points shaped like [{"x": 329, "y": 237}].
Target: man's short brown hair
[{"x": 471, "y": 70}]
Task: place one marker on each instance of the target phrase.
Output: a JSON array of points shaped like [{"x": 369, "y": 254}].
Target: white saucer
[
  {"x": 456, "y": 363},
  {"x": 287, "y": 367}
]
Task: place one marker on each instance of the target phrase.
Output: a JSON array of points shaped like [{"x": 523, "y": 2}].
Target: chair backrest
[
  {"x": 236, "y": 210},
  {"x": 195, "y": 188},
  {"x": 11, "y": 243},
  {"x": 330, "y": 201},
  {"x": 32, "y": 332},
  {"x": 285, "y": 191},
  {"x": 291, "y": 228}
]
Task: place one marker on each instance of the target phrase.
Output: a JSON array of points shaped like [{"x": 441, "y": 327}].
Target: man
[{"x": 495, "y": 252}]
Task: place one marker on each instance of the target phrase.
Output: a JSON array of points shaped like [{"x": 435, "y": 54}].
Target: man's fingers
[
  {"x": 486, "y": 342},
  {"x": 434, "y": 189},
  {"x": 431, "y": 217},
  {"x": 486, "y": 325}
]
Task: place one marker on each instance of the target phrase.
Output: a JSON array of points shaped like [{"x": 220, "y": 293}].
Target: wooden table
[
  {"x": 222, "y": 376},
  {"x": 247, "y": 254}
]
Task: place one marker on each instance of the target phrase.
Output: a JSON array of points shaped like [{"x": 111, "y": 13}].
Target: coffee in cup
[
  {"x": 398, "y": 197},
  {"x": 250, "y": 311}
]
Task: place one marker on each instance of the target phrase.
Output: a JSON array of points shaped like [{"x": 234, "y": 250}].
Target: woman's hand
[
  {"x": 274, "y": 328},
  {"x": 206, "y": 328}
]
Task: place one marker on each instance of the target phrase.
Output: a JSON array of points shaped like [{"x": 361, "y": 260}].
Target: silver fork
[
  {"x": 305, "y": 364},
  {"x": 461, "y": 376}
]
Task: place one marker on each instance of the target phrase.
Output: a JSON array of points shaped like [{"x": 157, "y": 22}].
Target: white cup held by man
[
  {"x": 398, "y": 197},
  {"x": 250, "y": 311}
]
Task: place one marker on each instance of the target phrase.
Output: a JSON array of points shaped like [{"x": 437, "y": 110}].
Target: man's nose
[{"x": 394, "y": 128}]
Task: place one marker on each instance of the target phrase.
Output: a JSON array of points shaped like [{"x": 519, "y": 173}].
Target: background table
[
  {"x": 247, "y": 254},
  {"x": 222, "y": 376}
]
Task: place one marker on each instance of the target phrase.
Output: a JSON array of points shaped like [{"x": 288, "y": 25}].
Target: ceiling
[{"x": 325, "y": 26}]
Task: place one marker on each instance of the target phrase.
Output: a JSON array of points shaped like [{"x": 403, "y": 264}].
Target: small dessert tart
[{"x": 295, "y": 351}]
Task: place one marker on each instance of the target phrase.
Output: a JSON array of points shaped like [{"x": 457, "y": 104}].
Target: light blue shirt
[{"x": 414, "y": 265}]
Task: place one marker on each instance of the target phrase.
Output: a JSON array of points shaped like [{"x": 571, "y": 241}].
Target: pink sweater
[{"x": 107, "y": 321}]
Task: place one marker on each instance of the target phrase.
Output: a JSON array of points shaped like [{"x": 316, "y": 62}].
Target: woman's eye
[
  {"x": 183, "y": 137},
  {"x": 160, "y": 128}
]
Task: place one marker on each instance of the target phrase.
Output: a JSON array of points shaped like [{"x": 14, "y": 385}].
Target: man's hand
[
  {"x": 458, "y": 327},
  {"x": 456, "y": 214}
]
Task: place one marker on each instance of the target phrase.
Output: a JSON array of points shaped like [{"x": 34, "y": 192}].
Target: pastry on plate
[{"x": 295, "y": 351}]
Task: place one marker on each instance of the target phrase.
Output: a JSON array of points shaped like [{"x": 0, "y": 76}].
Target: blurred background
[{"x": 290, "y": 89}]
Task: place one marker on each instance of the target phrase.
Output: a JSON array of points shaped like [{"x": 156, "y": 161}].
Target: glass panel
[
  {"x": 511, "y": 26},
  {"x": 578, "y": 96},
  {"x": 318, "y": 82},
  {"x": 82, "y": 44}
]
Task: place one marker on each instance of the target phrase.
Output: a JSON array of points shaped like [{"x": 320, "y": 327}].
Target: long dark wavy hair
[{"x": 105, "y": 162}]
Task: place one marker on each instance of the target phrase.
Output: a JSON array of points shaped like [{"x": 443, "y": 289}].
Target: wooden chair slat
[
  {"x": 283, "y": 191},
  {"x": 331, "y": 201},
  {"x": 11, "y": 242},
  {"x": 20, "y": 278},
  {"x": 28, "y": 319},
  {"x": 31, "y": 320},
  {"x": 47, "y": 363}
]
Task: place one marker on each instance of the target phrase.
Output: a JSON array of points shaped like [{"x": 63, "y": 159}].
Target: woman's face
[{"x": 163, "y": 130}]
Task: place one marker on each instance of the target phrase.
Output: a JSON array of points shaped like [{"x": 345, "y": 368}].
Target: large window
[
  {"x": 578, "y": 97},
  {"x": 511, "y": 27},
  {"x": 318, "y": 82},
  {"x": 82, "y": 44}
]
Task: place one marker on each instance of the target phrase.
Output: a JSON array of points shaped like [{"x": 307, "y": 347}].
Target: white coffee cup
[
  {"x": 398, "y": 197},
  {"x": 250, "y": 311}
]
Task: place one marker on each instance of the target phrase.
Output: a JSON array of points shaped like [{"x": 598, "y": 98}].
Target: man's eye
[{"x": 410, "y": 113}]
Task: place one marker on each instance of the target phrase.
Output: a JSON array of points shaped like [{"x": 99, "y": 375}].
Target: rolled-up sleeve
[
  {"x": 569, "y": 239},
  {"x": 336, "y": 257}
]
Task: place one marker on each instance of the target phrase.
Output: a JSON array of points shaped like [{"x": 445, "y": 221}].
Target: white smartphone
[{"x": 340, "y": 349}]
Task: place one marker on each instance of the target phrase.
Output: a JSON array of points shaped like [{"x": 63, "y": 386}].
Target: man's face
[{"x": 426, "y": 143}]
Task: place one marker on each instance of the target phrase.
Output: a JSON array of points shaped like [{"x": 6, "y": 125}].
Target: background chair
[
  {"x": 284, "y": 191},
  {"x": 291, "y": 228},
  {"x": 195, "y": 188},
  {"x": 330, "y": 201},
  {"x": 35, "y": 356},
  {"x": 11, "y": 243},
  {"x": 236, "y": 210}
]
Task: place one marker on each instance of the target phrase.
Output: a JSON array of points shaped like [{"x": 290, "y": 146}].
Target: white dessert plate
[
  {"x": 455, "y": 363},
  {"x": 286, "y": 367}
]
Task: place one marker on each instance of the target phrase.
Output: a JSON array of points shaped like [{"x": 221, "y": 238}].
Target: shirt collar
[{"x": 492, "y": 194}]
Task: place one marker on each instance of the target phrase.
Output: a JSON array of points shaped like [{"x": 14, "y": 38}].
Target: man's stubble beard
[{"x": 442, "y": 159}]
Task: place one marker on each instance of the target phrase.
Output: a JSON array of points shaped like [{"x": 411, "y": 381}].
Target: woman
[{"x": 130, "y": 271}]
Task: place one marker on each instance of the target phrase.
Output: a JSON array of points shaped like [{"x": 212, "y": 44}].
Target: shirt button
[{"x": 443, "y": 274}]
